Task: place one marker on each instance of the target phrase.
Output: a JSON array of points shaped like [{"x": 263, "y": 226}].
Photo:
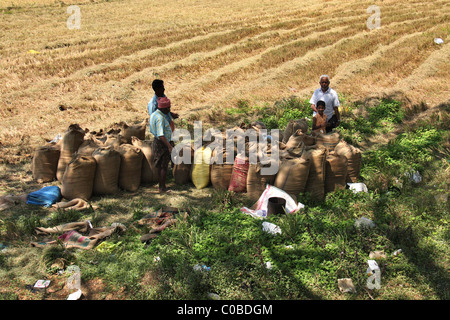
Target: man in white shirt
[{"x": 325, "y": 93}]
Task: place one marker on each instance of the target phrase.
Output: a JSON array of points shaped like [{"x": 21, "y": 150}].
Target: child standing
[{"x": 320, "y": 119}]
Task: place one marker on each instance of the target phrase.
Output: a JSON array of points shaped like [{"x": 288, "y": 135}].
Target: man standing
[
  {"x": 152, "y": 106},
  {"x": 162, "y": 144},
  {"x": 325, "y": 93}
]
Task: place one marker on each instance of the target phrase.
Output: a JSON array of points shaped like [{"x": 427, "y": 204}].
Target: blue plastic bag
[{"x": 45, "y": 196}]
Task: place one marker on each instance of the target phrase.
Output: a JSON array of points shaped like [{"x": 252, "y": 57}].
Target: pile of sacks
[
  {"x": 311, "y": 163},
  {"x": 90, "y": 163},
  {"x": 96, "y": 163}
]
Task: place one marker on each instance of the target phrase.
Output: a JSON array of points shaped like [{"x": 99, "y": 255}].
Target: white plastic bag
[
  {"x": 271, "y": 228},
  {"x": 272, "y": 192},
  {"x": 357, "y": 187}
]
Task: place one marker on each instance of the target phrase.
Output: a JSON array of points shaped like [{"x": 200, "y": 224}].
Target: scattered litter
[
  {"x": 374, "y": 273},
  {"x": 198, "y": 267},
  {"x": 74, "y": 278},
  {"x": 441, "y": 197},
  {"x": 41, "y": 284},
  {"x": 364, "y": 222},
  {"x": 414, "y": 176},
  {"x": 289, "y": 247},
  {"x": 33, "y": 51},
  {"x": 269, "y": 265},
  {"x": 377, "y": 255},
  {"x": 346, "y": 285},
  {"x": 56, "y": 138},
  {"x": 397, "y": 252},
  {"x": 373, "y": 267},
  {"x": 213, "y": 296},
  {"x": 107, "y": 246},
  {"x": 156, "y": 259},
  {"x": 3, "y": 247},
  {"x": 75, "y": 295},
  {"x": 271, "y": 228},
  {"x": 357, "y": 187},
  {"x": 438, "y": 41}
]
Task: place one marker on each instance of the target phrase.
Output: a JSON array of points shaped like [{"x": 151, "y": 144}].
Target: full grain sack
[
  {"x": 335, "y": 172},
  {"x": 69, "y": 144},
  {"x": 181, "y": 170},
  {"x": 130, "y": 167},
  {"x": 327, "y": 140},
  {"x": 256, "y": 182},
  {"x": 87, "y": 147},
  {"x": 238, "y": 181},
  {"x": 221, "y": 170},
  {"x": 293, "y": 175},
  {"x": 315, "y": 185},
  {"x": 353, "y": 156},
  {"x": 106, "y": 180},
  {"x": 137, "y": 130},
  {"x": 293, "y": 126},
  {"x": 296, "y": 139},
  {"x": 45, "y": 163},
  {"x": 200, "y": 172},
  {"x": 148, "y": 170},
  {"x": 78, "y": 179}
]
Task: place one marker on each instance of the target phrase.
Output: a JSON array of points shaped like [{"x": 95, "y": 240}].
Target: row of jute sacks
[
  {"x": 316, "y": 164},
  {"x": 88, "y": 163}
]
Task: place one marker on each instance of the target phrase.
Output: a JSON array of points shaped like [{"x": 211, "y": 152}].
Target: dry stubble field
[{"x": 210, "y": 54}]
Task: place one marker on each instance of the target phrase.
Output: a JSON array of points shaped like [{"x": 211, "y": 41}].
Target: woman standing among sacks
[{"x": 162, "y": 144}]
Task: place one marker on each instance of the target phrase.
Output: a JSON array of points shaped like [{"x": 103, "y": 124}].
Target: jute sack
[
  {"x": 238, "y": 181},
  {"x": 293, "y": 126},
  {"x": 137, "y": 130},
  {"x": 256, "y": 182},
  {"x": 309, "y": 140},
  {"x": 296, "y": 139},
  {"x": 106, "y": 180},
  {"x": 220, "y": 170},
  {"x": 200, "y": 175},
  {"x": 293, "y": 175},
  {"x": 45, "y": 163},
  {"x": 87, "y": 147},
  {"x": 130, "y": 167},
  {"x": 148, "y": 170},
  {"x": 181, "y": 170},
  {"x": 353, "y": 156},
  {"x": 69, "y": 144},
  {"x": 114, "y": 140},
  {"x": 78, "y": 179},
  {"x": 327, "y": 140},
  {"x": 315, "y": 185},
  {"x": 335, "y": 172}
]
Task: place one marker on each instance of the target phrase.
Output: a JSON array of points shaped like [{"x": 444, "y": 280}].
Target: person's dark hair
[
  {"x": 157, "y": 83},
  {"x": 320, "y": 103}
]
